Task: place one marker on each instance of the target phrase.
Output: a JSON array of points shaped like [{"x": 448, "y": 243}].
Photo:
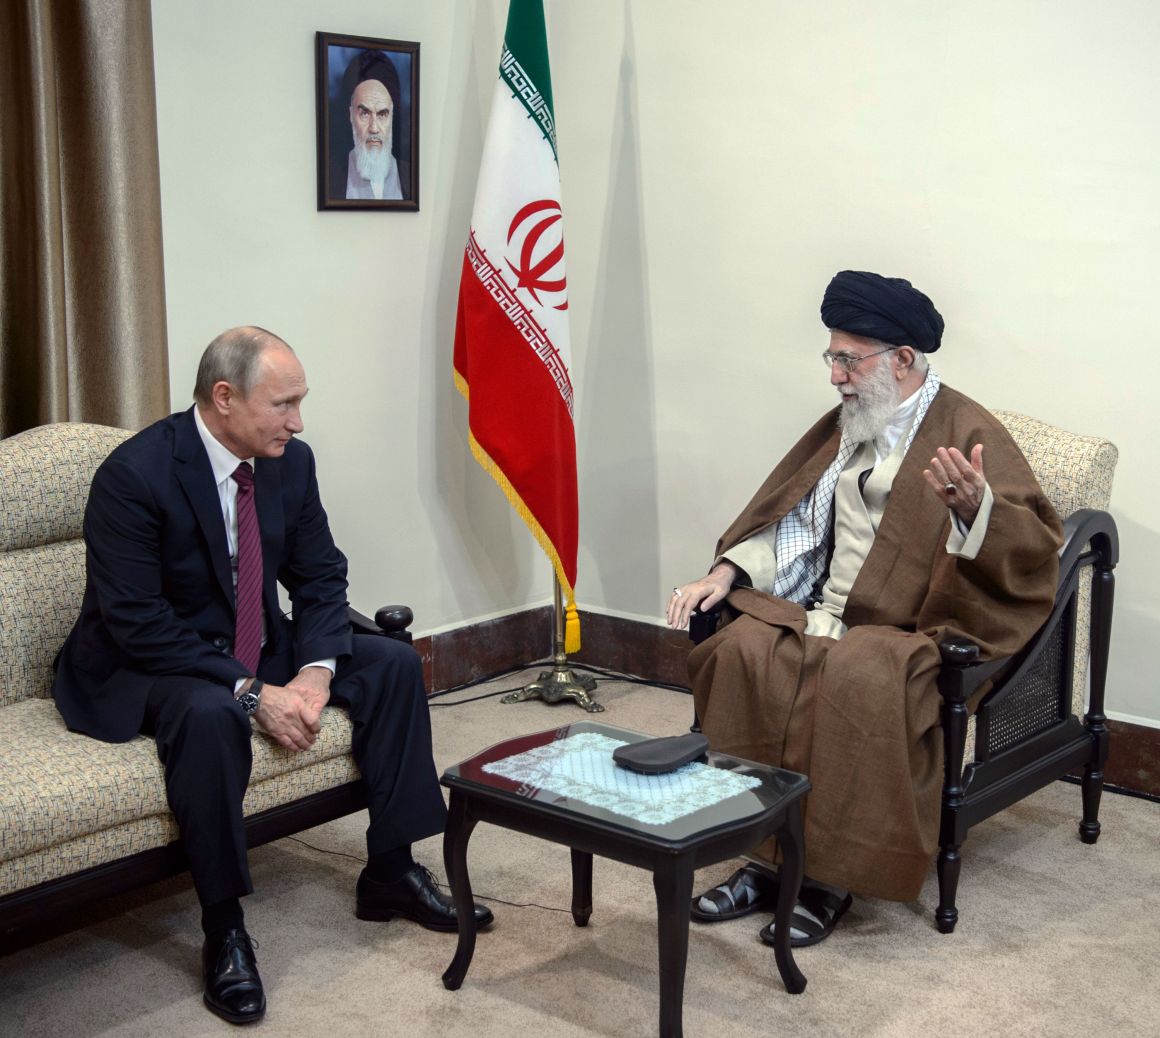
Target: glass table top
[{"x": 570, "y": 770}]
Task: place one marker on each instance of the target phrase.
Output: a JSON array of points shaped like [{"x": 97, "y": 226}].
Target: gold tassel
[{"x": 571, "y": 629}]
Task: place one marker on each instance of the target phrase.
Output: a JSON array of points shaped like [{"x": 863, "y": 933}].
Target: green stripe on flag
[{"x": 524, "y": 64}]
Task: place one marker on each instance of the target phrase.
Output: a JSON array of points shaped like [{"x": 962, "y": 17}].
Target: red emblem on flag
[{"x": 536, "y": 262}]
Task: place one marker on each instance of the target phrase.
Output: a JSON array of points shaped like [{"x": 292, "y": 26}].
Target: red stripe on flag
[{"x": 516, "y": 414}]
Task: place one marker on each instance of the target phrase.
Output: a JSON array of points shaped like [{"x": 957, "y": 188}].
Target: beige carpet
[{"x": 1055, "y": 938}]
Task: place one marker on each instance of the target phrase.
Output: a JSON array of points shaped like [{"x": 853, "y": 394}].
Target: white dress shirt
[{"x": 224, "y": 462}]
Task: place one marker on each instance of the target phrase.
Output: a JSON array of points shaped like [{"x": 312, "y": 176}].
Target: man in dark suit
[{"x": 189, "y": 526}]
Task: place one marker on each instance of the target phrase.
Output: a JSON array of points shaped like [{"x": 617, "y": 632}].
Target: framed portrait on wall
[{"x": 367, "y": 98}]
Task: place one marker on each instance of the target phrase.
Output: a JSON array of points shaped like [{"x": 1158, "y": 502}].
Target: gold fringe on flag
[{"x": 572, "y": 615}]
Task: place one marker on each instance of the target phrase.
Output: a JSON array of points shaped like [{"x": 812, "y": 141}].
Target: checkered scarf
[{"x": 803, "y": 535}]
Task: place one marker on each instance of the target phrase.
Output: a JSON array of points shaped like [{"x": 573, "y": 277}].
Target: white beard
[
  {"x": 373, "y": 164},
  {"x": 867, "y": 415}
]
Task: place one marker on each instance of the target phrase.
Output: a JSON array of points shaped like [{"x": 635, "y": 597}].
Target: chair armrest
[
  {"x": 962, "y": 671},
  {"x": 391, "y": 621},
  {"x": 703, "y": 624},
  {"x": 1089, "y": 525}
]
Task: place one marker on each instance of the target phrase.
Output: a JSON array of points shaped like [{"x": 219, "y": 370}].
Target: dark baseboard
[
  {"x": 656, "y": 653},
  {"x": 1133, "y": 758},
  {"x": 481, "y": 650},
  {"x": 634, "y": 647}
]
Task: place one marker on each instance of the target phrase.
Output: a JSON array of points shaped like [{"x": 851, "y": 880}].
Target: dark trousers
[{"x": 203, "y": 741}]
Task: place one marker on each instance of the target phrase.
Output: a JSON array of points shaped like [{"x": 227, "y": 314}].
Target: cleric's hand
[
  {"x": 700, "y": 594},
  {"x": 959, "y": 483}
]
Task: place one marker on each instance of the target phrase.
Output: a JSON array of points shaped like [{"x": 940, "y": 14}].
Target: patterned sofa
[{"x": 80, "y": 818}]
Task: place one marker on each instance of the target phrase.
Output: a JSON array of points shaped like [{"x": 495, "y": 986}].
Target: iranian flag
[{"x": 512, "y": 359}]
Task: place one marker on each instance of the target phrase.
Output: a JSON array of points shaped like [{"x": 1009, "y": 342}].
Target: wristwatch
[{"x": 249, "y": 699}]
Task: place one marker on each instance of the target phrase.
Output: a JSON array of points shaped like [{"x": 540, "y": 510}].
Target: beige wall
[{"x": 720, "y": 163}]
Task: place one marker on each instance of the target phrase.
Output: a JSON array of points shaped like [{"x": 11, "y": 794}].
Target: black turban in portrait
[
  {"x": 371, "y": 64},
  {"x": 889, "y": 309}
]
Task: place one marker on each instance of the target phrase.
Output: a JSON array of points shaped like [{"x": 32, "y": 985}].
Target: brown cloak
[{"x": 860, "y": 716}]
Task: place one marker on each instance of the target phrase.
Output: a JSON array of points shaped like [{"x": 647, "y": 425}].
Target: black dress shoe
[
  {"x": 414, "y": 896},
  {"x": 233, "y": 988}
]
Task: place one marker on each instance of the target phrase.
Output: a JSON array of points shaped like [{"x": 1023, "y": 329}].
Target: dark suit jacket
[{"x": 159, "y": 597}]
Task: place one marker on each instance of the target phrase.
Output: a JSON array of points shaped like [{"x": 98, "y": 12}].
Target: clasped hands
[
  {"x": 957, "y": 481},
  {"x": 291, "y": 714}
]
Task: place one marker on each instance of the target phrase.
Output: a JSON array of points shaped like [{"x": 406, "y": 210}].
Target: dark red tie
[{"x": 248, "y": 633}]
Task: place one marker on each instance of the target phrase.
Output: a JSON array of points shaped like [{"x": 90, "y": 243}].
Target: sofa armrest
[{"x": 391, "y": 621}]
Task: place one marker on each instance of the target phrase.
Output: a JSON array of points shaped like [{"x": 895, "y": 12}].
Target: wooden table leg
[
  {"x": 791, "y": 842},
  {"x": 455, "y": 837},
  {"x": 581, "y": 887},
  {"x": 673, "y": 883}
]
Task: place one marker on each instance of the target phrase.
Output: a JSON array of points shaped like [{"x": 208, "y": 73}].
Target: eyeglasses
[{"x": 848, "y": 361}]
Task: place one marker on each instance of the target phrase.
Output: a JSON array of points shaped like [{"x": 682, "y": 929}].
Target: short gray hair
[{"x": 233, "y": 357}]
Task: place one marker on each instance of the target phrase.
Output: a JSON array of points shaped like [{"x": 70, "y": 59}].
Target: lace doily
[{"x": 581, "y": 768}]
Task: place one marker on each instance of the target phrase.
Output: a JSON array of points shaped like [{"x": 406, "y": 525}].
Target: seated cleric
[
  {"x": 904, "y": 516},
  {"x": 189, "y": 525}
]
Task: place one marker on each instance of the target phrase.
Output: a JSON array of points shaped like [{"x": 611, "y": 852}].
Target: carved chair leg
[
  {"x": 1093, "y": 787},
  {"x": 949, "y": 863}
]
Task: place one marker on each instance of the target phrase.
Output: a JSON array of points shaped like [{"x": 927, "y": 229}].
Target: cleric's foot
[
  {"x": 415, "y": 896},
  {"x": 233, "y": 989},
  {"x": 750, "y": 888},
  {"x": 817, "y": 911}
]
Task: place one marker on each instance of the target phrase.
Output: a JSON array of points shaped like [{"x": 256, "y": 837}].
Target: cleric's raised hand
[{"x": 958, "y": 482}]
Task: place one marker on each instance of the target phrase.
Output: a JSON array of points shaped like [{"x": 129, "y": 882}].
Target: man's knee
[
  {"x": 381, "y": 668},
  {"x": 185, "y": 705},
  {"x": 371, "y": 650},
  {"x": 885, "y": 645},
  {"x": 729, "y": 643}
]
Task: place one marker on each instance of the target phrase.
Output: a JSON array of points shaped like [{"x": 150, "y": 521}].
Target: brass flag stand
[{"x": 559, "y": 682}]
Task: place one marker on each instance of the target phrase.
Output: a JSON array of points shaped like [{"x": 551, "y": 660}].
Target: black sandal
[
  {"x": 814, "y": 916},
  {"x": 749, "y": 889}
]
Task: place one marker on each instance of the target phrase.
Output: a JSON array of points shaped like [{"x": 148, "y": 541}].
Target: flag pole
[{"x": 560, "y": 682}]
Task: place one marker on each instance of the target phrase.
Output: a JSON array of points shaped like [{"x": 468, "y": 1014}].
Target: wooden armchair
[{"x": 1026, "y": 730}]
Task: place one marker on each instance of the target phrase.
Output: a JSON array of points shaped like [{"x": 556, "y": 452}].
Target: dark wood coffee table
[{"x": 559, "y": 788}]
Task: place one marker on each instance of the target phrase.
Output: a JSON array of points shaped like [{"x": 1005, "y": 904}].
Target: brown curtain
[{"x": 82, "y": 292}]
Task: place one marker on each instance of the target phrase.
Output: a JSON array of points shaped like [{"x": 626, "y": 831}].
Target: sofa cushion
[
  {"x": 40, "y": 598},
  {"x": 143, "y": 834},
  {"x": 57, "y": 786},
  {"x": 45, "y": 475}
]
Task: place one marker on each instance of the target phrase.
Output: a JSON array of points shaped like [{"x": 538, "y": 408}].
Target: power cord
[{"x": 484, "y": 897}]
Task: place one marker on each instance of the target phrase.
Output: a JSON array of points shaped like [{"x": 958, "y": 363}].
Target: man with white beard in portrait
[{"x": 372, "y": 170}]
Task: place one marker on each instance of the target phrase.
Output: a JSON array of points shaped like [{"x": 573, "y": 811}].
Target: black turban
[
  {"x": 371, "y": 64},
  {"x": 889, "y": 309}
]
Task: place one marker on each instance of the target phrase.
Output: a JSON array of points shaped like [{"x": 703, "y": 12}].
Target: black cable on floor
[
  {"x": 474, "y": 699},
  {"x": 486, "y": 678},
  {"x": 485, "y": 897},
  {"x": 1122, "y": 790}
]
